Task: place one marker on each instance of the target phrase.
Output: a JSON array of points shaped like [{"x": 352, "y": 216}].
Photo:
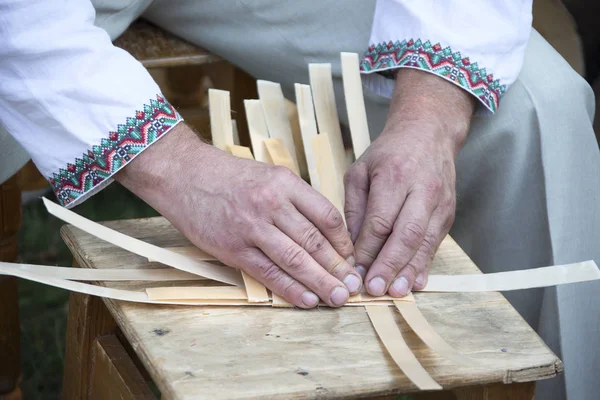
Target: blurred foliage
[{"x": 43, "y": 309}]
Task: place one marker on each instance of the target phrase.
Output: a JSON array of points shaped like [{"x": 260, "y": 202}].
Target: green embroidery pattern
[
  {"x": 385, "y": 58},
  {"x": 119, "y": 148}
]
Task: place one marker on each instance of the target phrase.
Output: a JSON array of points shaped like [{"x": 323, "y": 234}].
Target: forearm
[
  {"x": 162, "y": 171},
  {"x": 423, "y": 98}
]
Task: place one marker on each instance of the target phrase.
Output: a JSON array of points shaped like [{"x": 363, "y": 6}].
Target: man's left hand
[{"x": 400, "y": 194}]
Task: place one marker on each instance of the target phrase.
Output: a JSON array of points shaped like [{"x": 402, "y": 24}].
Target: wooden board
[{"x": 288, "y": 353}]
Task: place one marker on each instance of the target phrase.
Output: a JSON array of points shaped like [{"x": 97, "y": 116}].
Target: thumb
[{"x": 356, "y": 187}]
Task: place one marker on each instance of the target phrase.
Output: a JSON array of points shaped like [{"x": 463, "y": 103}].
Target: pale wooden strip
[
  {"x": 256, "y": 292},
  {"x": 332, "y": 186},
  {"x": 413, "y": 316},
  {"x": 292, "y": 115},
  {"x": 278, "y": 154},
  {"x": 514, "y": 280},
  {"x": 147, "y": 250},
  {"x": 138, "y": 297},
  {"x": 113, "y": 274},
  {"x": 240, "y": 151},
  {"x": 366, "y": 298},
  {"x": 273, "y": 103},
  {"x": 384, "y": 323},
  {"x": 257, "y": 126},
  {"x": 192, "y": 252},
  {"x": 280, "y": 302},
  {"x": 355, "y": 104},
  {"x": 197, "y": 293},
  {"x": 321, "y": 83},
  {"x": 220, "y": 118},
  {"x": 116, "y": 294},
  {"x": 308, "y": 129}
]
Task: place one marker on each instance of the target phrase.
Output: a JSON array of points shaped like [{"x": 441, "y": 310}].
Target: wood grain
[
  {"x": 321, "y": 83},
  {"x": 114, "y": 375},
  {"x": 274, "y": 108},
  {"x": 288, "y": 353},
  {"x": 155, "y": 48},
  {"x": 308, "y": 130},
  {"x": 355, "y": 104},
  {"x": 88, "y": 319}
]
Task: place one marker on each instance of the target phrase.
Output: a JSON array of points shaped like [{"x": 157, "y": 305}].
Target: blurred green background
[{"x": 43, "y": 309}]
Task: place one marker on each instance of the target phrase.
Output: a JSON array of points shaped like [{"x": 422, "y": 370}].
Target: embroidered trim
[
  {"x": 386, "y": 58},
  {"x": 115, "y": 151}
]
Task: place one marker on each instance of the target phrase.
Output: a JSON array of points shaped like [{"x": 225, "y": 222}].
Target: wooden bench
[
  {"x": 155, "y": 49},
  {"x": 247, "y": 353}
]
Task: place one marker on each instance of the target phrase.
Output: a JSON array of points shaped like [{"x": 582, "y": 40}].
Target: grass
[{"x": 43, "y": 309}]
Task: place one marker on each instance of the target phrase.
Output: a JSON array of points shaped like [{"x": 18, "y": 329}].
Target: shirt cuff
[
  {"x": 93, "y": 171},
  {"x": 385, "y": 59}
]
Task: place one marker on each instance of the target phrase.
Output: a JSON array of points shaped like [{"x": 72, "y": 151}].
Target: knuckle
[
  {"x": 312, "y": 240},
  {"x": 412, "y": 235},
  {"x": 283, "y": 175},
  {"x": 294, "y": 257},
  {"x": 429, "y": 242},
  {"x": 269, "y": 271},
  {"x": 365, "y": 256},
  {"x": 411, "y": 271},
  {"x": 332, "y": 218},
  {"x": 379, "y": 226},
  {"x": 265, "y": 197},
  {"x": 402, "y": 168},
  {"x": 350, "y": 177},
  {"x": 389, "y": 267},
  {"x": 287, "y": 291}
]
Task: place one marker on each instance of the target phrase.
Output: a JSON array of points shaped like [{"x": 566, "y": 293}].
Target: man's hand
[
  {"x": 250, "y": 215},
  {"x": 400, "y": 194}
]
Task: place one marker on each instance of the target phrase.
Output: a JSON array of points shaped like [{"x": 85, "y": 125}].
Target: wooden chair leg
[
  {"x": 114, "y": 374},
  {"x": 88, "y": 319},
  {"x": 10, "y": 351}
]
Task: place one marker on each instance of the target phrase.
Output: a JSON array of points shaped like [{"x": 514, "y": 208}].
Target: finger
[
  {"x": 421, "y": 262},
  {"x": 305, "y": 234},
  {"x": 421, "y": 280},
  {"x": 301, "y": 266},
  {"x": 322, "y": 214},
  {"x": 257, "y": 264},
  {"x": 356, "y": 188},
  {"x": 385, "y": 201},
  {"x": 401, "y": 246}
]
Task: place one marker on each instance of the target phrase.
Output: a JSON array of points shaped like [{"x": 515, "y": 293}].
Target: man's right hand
[{"x": 250, "y": 215}]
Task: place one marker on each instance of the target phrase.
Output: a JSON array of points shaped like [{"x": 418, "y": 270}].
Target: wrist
[
  {"x": 424, "y": 98},
  {"x": 163, "y": 168}
]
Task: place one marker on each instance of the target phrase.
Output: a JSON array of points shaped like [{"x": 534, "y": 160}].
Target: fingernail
[
  {"x": 362, "y": 271},
  {"x": 420, "y": 281},
  {"x": 310, "y": 299},
  {"x": 400, "y": 286},
  {"x": 377, "y": 286},
  {"x": 339, "y": 296},
  {"x": 352, "y": 282}
]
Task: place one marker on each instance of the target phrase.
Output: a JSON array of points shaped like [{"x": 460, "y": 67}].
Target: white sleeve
[
  {"x": 477, "y": 45},
  {"x": 80, "y": 106}
]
